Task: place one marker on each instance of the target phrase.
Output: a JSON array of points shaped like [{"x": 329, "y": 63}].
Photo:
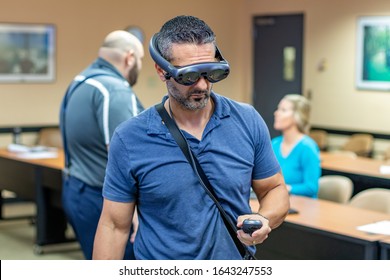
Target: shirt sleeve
[
  {"x": 121, "y": 108},
  {"x": 119, "y": 185}
]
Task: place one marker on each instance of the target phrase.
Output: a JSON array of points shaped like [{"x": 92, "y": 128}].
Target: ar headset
[{"x": 190, "y": 74}]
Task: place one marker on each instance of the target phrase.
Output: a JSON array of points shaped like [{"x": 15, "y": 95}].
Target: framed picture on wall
[
  {"x": 373, "y": 53},
  {"x": 27, "y": 52}
]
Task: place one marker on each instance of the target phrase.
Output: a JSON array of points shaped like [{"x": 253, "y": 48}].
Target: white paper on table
[
  {"x": 38, "y": 155},
  {"x": 18, "y": 148},
  {"x": 382, "y": 227},
  {"x": 35, "y": 152},
  {"x": 384, "y": 169}
]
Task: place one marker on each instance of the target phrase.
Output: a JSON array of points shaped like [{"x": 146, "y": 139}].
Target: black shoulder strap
[{"x": 183, "y": 144}]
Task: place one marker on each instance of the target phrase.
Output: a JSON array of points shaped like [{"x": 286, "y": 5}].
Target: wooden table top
[
  {"x": 386, "y": 240},
  {"x": 354, "y": 165},
  {"x": 55, "y": 163},
  {"x": 332, "y": 217},
  {"x": 315, "y": 213},
  {"x": 339, "y": 162}
]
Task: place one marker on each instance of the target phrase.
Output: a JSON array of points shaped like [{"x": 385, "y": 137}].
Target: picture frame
[
  {"x": 373, "y": 53},
  {"x": 27, "y": 53}
]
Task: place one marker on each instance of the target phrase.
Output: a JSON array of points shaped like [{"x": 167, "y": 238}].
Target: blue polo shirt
[{"x": 177, "y": 218}]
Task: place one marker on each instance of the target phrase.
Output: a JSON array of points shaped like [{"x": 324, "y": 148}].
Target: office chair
[
  {"x": 50, "y": 137},
  {"x": 335, "y": 188},
  {"x": 375, "y": 199},
  {"x": 321, "y": 138},
  {"x": 342, "y": 154},
  {"x": 386, "y": 155},
  {"x": 360, "y": 143}
]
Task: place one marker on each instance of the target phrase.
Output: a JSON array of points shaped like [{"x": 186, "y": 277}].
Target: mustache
[{"x": 198, "y": 92}]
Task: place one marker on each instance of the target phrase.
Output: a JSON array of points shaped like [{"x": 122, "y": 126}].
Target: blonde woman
[{"x": 297, "y": 153}]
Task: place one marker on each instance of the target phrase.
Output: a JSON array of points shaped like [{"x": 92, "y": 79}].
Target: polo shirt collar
[{"x": 104, "y": 64}]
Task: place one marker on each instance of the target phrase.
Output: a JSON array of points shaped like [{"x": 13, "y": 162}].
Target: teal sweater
[{"x": 301, "y": 167}]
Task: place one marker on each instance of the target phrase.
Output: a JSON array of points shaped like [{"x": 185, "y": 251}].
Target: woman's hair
[{"x": 301, "y": 108}]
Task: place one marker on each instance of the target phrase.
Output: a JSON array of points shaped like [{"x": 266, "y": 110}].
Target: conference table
[
  {"x": 38, "y": 180},
  {"x": 364, "y": 172},
  {"x": 323, "y": 230}
]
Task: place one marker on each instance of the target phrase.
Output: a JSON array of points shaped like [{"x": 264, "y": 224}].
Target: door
[{"x": 278, "y": 48}]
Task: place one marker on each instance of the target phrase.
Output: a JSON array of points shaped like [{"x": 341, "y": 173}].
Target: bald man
[{"x": 96, "y": 102}]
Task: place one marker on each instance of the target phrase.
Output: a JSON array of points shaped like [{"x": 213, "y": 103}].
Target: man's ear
[
  {"x": 160, "y": 72},
  {"x": 130, "y": 59}
]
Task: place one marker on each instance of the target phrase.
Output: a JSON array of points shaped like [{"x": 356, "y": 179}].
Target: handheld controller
[{"x": 249, "y": 226}]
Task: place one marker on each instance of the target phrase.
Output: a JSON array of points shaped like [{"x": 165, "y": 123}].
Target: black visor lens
[
  {"x": 189, "y": 75},
  {"x": 217, "y": 75},
  {"x": 188, "y": 78}
]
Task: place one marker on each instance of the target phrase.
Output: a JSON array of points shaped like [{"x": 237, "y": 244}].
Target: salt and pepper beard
[{"x": 185, "y": 101}]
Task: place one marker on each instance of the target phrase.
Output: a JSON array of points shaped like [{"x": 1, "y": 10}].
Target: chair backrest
[
  {"x": 376, "y": 199},
  {"x": 50, "y": 137},
  {"x": 344, "y": 154},
  {"x": 335, "y": 188},
  {"x": 360, "y": 143},
  {"x": 386, "y": 155},
  {"x": 321, "y": 138}
]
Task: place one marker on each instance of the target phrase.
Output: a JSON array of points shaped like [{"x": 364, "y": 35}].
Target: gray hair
[{"x": 183, "y": 30}]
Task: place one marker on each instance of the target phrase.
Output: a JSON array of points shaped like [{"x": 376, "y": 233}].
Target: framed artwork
[
  {"x": 27, "y": 52},
  {"x": 373, "y": 53}
]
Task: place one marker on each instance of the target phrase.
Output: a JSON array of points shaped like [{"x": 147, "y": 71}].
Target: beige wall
[
  {"x": 330, "y": 34},
  {"x": 81, "y": 26}
]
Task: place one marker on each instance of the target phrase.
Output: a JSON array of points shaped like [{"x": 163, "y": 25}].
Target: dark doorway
[{"x": 278, "y": 49}]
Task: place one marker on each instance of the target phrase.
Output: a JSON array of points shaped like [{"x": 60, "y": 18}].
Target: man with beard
[
  {"x": 146, "y": 168},
  {"x": 96, "y": 102}
]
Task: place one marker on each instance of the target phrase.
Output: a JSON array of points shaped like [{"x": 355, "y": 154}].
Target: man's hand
[{"x": 257, "y": 236}]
